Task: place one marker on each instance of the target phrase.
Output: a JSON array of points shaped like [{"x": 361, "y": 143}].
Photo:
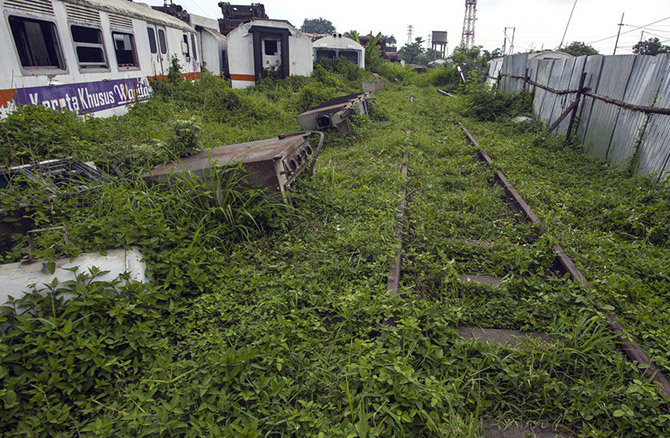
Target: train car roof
[{"x": 134, "y": 10}]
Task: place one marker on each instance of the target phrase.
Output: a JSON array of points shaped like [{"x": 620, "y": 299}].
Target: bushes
[
  {"x": 34, "y": 133},
  {"x": 447, "y": 78},
  {"x": 489, "y": 106}
]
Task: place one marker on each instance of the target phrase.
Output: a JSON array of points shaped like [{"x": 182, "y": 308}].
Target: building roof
[
  {"x": 549, "y": 54},
  {"x": 338, "y": 42},
  {"x": 214, "y": 33},
  {"x": 280, "y": 24},
  {"x": 134, "y": 10}
]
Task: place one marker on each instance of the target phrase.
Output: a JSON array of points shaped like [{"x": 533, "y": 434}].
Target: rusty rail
[
  {"x": 393, "y": 284},
  {"x": 395, "y": 273},
  {"x": 514, "y": 198},
  {"x": 566, "y": 266}
]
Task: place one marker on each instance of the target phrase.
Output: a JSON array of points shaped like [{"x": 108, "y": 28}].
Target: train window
[
  {"x": 89, "y": 47},
  {"x": 37, "y": 43},
  {"x": 162, "y": 41},
  {"x": 270, "y": 47},
  {"x": 124, "y": 46},
  {"x": 184, "y": 47},
  {"x": 152, "y": 40},
  {"x": 194, "y": 47}
]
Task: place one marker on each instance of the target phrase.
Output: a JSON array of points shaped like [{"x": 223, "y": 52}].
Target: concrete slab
[
  {"x": 16, "y": 278},
  {"x": 507, "y": 338}
]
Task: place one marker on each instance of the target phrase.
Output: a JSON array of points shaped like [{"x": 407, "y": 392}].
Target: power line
[
  {"x": 629, "y": 31},
  {"x": 198, "y": 6},
  {"x": 653, "y": 29}
]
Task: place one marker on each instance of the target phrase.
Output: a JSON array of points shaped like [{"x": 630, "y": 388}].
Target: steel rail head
[{"x": 565, "y": 265}]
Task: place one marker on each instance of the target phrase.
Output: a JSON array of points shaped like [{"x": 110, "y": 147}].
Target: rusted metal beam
[
  {"x": 393, "y": 284},
  {"x": 568, "y": 110},
  {"x": 619, "y": 103},
  {"x": 565, "y": 265},
  {"x": 571, "y": 126},
  {"x": 514, "y": 198},
  {"x": 538, "y": 85},
  {"x": 562, "y": 117},
  {"x": 630, "y": 106}
]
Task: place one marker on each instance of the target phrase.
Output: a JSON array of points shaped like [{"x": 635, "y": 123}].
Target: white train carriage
[{"x": 88, "y": 56}]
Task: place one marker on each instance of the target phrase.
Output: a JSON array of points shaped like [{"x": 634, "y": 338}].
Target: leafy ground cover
[{"x": 273, "y": 326}]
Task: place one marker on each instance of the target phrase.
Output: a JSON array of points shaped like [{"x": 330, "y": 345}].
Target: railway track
[{"x": 562, "y": 267}]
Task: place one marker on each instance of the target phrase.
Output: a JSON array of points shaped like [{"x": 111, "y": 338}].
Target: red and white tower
[{"x": 468, "y": 39}]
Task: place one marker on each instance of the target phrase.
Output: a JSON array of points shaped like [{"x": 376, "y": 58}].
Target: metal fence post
[{"x": 580, "y": 93}]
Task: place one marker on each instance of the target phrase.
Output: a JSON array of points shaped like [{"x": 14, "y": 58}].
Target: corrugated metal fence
[{"x": 627, "y": 138}]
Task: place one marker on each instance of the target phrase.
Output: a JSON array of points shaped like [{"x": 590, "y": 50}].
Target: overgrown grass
[{"x": 267, "y": 320}]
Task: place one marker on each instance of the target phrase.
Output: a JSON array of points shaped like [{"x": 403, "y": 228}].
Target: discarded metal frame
[
  {"x": 60, "y": 175},
  {"x": 54, "y": 177},
  {"x": 335, "y": 113},
  {"x": 566, "y": 266},
  {"x": 273, "y": 164}
]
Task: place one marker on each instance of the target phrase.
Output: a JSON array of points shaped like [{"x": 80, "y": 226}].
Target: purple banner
[{"x": 87, "y": 97}]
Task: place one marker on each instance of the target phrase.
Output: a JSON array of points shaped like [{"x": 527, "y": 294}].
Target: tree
[
  {"x": 497, "y": 53},
  {"x": 390, "y": 40},
  {"x": 373, "y": 49},
  {"x": 414, "y": 53},
  {"x": 651, "y": 47},
  {"x": 318, "y": 25},
  {"x": 578, "y": 48}
]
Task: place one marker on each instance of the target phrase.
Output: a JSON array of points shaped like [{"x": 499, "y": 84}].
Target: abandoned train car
[
  {"x": 338, "y": 46},
  {"x": 262, "y": 48},
  {"x": 88, "y": 56}
]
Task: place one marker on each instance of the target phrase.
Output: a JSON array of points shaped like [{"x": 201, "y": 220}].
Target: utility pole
[
  {"x": 616, "y": 45},
  {"x": 468, "y": 38},
  {"x": 567, "y": 25}
]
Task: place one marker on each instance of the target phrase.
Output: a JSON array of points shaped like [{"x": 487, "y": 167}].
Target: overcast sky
[{"x": 539, "y": 23}]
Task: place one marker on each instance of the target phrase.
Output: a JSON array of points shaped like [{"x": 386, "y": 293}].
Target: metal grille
[
  {"x": 38, "y": 6},
  {"x": 84, "y": 15},
  {"x": 120, "y": 22}
]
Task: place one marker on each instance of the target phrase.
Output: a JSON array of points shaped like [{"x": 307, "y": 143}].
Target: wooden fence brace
[
  {"x": 570, "y": 109},
  {"x": 587, "y": 92},
  {"x": 580, "y": 93}
]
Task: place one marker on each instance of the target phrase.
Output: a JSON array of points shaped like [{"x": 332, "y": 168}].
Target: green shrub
[
  {"x": 490, "y": 106},
  {"x": 34, "y": 132},
  {"x": 447, "y": 78},
  {"x": 186, "y": 137}
]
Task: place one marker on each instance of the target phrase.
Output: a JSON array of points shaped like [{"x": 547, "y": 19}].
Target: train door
[
  {"x": 272, "y": 48},
  {"x": 159, "y": 49}
]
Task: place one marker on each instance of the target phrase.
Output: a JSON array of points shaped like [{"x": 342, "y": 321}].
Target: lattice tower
[{"x": 468, "y": 39}]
